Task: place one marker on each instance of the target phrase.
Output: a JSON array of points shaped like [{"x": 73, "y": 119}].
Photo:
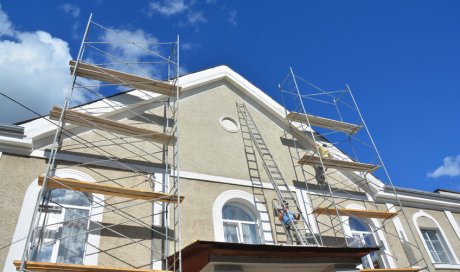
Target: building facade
[{"x": 225, "y": 208}]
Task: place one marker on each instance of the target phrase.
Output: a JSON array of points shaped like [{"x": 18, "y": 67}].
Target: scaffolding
[
  {"x": 134, "y": 194},
  {"x": 335, "y": 157}
]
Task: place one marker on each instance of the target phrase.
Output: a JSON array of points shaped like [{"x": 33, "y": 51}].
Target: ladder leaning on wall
[{"x": 284, "y": 194}]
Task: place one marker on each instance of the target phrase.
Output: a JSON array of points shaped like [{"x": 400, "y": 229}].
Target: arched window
[
  {"x": 69, "y": 211},
  {"x": 64, "y": 224},
  {"x": 437, "y": 246},
  {"x": 362, "y": 236},
  {"x": 240, "y": 224},
  {"x": 240, "y": 217},
  {"x": 434, "y": 239}
]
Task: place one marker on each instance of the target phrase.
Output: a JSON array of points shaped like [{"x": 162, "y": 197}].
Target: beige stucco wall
[
  {"x": 442, "y": 220},
  {"x": 206, "y": 148},
  {"x": 16, "y": 174}
]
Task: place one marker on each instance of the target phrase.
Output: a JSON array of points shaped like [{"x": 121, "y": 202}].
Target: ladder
[{"x": 285, "y": 196}]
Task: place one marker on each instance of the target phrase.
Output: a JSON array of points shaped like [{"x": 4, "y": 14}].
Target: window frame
[
  {"x": 441, "y": 241},
  {"x": 25, "y": 218},
  {"x": 385, "y": 254},
  {"x": 363, "y": 235},
  {"x": 249, "y": 201},
  {"x": 239, "y": 223},
  {"x": 454, "y": 260},
  {"x": 64, "y": 209}
]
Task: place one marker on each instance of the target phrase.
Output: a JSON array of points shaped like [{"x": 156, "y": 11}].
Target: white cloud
[
  {"x": 128, "y": 52},
  {"x": 73, "y": 10},
  {"x": 183, "y": 71},
  {"x": 174, "y": 7},
  {"x": 188, "y": 46},
  {"x": 34, "y": 67},
  {"x": 34, "y": 70},
  {"x": 450, "y": 167},
  {"x": 6, "y": 27},
  {"x": 194, "y": 18},
  {"x": 232, "y": 17},
  {"x": 167, "y": 8}
]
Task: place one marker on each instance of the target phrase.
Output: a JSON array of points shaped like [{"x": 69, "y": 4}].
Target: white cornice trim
[
  {"x": 248, "y": 183},
  {"x": 226, "y": 180},
  {"x": 12, "y": 144},
  {"x": 198, "y": 79},
  {"x": 419, "y": 202}
]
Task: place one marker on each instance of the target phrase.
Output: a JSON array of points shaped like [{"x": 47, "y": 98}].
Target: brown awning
[{"x": 198, "y": 254}]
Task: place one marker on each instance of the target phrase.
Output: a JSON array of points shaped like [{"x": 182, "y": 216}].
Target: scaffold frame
[
  {"x": 318, "y": 156},
  {"x": 147, "y": 162}
]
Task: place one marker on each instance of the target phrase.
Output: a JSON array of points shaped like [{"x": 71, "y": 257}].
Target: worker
[
  {"x": 319, "y": 170},
  {"x": 320, "y": 175},
  {"x": 289, "y": 219},
  {"x": 323, "y": 151}
]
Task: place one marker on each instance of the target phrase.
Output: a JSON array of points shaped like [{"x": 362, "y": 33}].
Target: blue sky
[{"x": 401, "y": 59}]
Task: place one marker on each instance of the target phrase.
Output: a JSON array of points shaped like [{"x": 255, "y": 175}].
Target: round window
[{"x": 229, "y": 124}]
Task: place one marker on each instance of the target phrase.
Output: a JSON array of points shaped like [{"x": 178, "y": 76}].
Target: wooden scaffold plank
[
  {"x": 46, "y": 266},
  {"x": 338, "y": 164},
  {"x": 98, "y": 188},
  {"x": 355, "y": 213},
  {"x": 123, "y": 79},
  {"x": 389, "y": 269},
  {"x": 324, "y": 122},
  {"x": 91, "y": 121}
]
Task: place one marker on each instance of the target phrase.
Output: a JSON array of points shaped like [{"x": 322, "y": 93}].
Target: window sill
[{"x": 447, "y": 266}]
